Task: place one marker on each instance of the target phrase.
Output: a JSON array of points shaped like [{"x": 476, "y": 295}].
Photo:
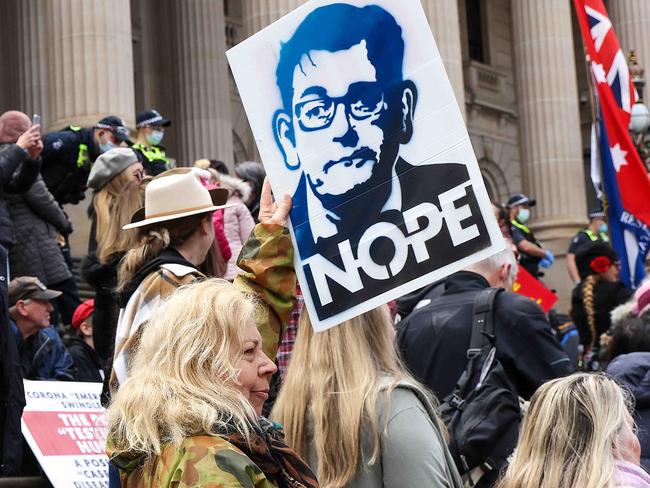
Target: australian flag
[{"x": 625, "y": 180}]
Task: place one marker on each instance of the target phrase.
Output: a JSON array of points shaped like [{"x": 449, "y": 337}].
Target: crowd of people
[{"x": 213, "y": 375}]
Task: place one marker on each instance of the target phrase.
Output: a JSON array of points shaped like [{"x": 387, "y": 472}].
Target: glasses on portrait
[{"x": 319, "y": 113}]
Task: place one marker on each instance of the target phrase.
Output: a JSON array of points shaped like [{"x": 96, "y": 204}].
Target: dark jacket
[
  {"x": 12, "y": 393},
  {"x": 103, "y": 278},
  {"x": 14, "y": 177},
  {"x": 64, "y": 173},
  {"x": 434, "y": 339},
  {"x": 153, "y": 158},
  {"x": 43, "y": 356},
  {"x": 607, "y": 296},
  {"x": 633, "y": 371},
  {"x": 88, "y": 366},
  {"x": 37, "y": 219}
]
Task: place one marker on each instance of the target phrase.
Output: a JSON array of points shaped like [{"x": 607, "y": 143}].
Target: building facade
[{"x": 517, "y": 68}]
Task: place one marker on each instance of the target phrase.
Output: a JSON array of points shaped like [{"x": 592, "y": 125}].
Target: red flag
[
  {"x": 616, "y": 95},
  {"x": 529, "y": 286}
]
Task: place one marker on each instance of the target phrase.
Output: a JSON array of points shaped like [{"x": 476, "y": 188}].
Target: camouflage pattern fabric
[
  {"x": 267, "y": 263},
  {"x": 205, "y": 461}
]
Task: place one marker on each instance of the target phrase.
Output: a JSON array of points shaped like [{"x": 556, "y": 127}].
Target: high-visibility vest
[
  {"x": 594, "y": 237},
  {"x": 520, "y": 226},
  {"x": 152, "y": 153},
  {"x": 83, "y": 156}
]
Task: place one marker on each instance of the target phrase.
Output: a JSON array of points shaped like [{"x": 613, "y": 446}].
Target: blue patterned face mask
[{"x": 155, "y": 137}]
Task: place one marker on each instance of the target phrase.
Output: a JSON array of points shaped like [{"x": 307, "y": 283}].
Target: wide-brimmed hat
[{"x": 175, "y": 194}]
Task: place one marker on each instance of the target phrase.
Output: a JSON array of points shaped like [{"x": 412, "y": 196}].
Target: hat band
[
  {"x": 151, "y": 121},
  {"x": 166, "y": 214}
]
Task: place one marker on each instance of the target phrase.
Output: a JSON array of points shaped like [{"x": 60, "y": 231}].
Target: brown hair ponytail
[
  {"x": 588, "y": 286},
  {"x": 153, "y": 239}
]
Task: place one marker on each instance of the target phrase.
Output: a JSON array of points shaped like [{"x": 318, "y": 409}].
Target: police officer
[
  {"x": 68, "y": 155},
  {"x": 594, "y": 232},
  {"x": 151, "y": 130},
  {"x": 532, "y": 256}
]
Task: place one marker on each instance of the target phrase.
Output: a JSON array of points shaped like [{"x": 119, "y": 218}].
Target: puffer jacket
[
  {"x": 37, "y": 218},
  {"x": 633, "y": 371},
  {"x": 238, "y": 221},
  {"x": 14, "y": 177}
]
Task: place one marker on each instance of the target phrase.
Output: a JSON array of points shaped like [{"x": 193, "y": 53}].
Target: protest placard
[
  {"x": 64, "y": 425},
  {"x": 354, "y": 116},
  {"x": 527, "y": 285}
]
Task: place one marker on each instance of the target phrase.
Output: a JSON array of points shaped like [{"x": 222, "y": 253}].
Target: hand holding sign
[{"x": 273, "y": 212}]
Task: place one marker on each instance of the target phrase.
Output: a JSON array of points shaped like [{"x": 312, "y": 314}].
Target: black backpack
[{"x": 483, "y": 413}]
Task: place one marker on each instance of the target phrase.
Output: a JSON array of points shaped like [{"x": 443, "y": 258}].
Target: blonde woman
[
  {"x": 578, "y": 432},
  {"x": 350, "y": 408},
  {"x": 189, "y": 414},
  {"x": 117, "y": 193}
]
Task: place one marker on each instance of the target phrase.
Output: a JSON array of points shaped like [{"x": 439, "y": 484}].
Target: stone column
[
  {"x": 445, "y": 25},
  {"x": 32, "y": 62},
  {"x": 257, "y": 14},
  {"x": 90, "y": 61},
  {"x": 202, "y": 86},
  {"x": 549, "y": 125},
  {"x": 631, "y": 20},
  {"x": 9, "y": 58}
]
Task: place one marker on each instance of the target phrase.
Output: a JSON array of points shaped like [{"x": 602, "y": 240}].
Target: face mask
[
  {"x": 522, "y": 215},
  {"x": 155, "y": 137},
  {"x": 603, "y": 228},
  {"x": 106, "y": 146}
]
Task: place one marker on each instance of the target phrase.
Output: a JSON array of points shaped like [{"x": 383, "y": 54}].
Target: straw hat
[{"x": 175, "y": 194}]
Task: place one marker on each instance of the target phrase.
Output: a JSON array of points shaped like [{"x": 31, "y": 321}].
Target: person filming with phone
[
  {"x": 20, "y": 163},
  {"x": 20, "y": 149}
]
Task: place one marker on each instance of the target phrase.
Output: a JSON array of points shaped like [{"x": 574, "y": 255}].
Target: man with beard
[{"x": 347, "y": 110}]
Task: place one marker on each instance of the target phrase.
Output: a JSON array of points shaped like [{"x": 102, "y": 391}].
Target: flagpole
[{"x": 595, "y": 120}]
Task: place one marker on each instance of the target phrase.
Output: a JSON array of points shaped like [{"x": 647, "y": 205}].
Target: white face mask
[{"x": 523, "y": 215}]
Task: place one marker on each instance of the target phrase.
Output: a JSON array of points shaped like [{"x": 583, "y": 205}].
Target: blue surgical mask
[
  {"x": 155, "y": 137},
  {"x": 523, "y": 215},
  {"x": 603, "y": 228},
  {"x": 107, "y": 146}
]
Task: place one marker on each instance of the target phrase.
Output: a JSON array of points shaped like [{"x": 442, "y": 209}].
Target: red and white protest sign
[
  {"x": 529, "y": 286},
  {"x": 65, "y": 427}
]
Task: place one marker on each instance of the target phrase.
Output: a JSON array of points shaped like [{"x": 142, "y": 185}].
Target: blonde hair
[
  {"x": 183, "y": 375},
  {"x": 335, "y": 378},
  {"x": 588, "y": 288},
  {"x": 571, "y": 434},
  {"x": 114, "y": 206}
]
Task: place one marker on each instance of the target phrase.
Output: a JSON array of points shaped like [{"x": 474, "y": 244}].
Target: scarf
[{"x": 280, "y": 464}]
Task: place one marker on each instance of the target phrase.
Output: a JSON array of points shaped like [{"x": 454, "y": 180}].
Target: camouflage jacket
[
  {"x": 267, "y": 262},
  {"x": 206, "y": 461},
  {"x": 225, "y": 460}
]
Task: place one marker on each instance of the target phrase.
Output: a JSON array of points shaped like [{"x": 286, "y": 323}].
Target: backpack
[{"x": 483, "y": 413}]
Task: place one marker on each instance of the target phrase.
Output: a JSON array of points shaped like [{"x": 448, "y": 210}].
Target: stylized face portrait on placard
[{"x": 369, "y": 222}]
